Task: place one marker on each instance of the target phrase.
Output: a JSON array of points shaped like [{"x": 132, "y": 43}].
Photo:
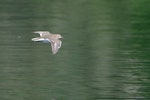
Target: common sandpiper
[{"x": 47, "y": 37}]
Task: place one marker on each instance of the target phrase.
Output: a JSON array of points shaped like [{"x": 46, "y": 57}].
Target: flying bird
[{"x": 47, "y": 37}]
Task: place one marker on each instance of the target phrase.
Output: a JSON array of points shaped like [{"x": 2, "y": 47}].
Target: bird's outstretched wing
[
  {"x": 55, "y": 44},
  {"x": 37, "y": 39},
  {"x": 43, "y": 33}
]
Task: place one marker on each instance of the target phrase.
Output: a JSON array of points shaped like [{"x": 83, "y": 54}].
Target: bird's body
[{"x": 47, "y": 37}]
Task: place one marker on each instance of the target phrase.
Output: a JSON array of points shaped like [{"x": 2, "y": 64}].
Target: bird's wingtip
[
  {"x": 36, "y": 31},
  {"x": 40, "y": 31}
]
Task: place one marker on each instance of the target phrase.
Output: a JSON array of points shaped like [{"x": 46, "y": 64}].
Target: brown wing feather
[{"x": 55, "y": 44}]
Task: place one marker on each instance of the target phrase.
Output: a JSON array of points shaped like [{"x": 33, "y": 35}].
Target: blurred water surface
[{"x": 105, "y": 51}]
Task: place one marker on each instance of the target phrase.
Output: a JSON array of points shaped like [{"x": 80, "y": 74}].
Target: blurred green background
[{"x": 104, "y": 55}]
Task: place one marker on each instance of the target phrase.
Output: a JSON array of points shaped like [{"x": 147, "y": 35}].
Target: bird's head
[{"x": 58, "y": 36}]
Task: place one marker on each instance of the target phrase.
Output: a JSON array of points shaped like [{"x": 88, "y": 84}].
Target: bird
[{"x": 47, "y": 37}]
